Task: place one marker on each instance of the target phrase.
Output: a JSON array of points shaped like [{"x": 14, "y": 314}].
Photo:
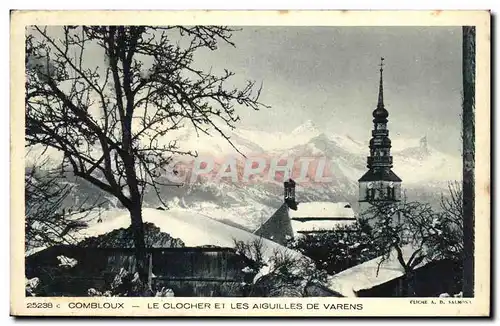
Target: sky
[{"x": 330, "y": 75}]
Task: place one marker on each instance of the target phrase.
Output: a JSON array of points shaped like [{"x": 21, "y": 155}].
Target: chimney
[{"x": 290, "y": 194}]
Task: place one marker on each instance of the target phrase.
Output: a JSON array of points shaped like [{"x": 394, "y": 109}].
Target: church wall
[
  {"x": 397, "y": 190},
  {"x": 362, "y": 190},
  {"x": 380, "y": 190}
]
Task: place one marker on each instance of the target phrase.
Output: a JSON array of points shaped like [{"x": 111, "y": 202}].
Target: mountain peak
[{"x": 308, "y": 127}]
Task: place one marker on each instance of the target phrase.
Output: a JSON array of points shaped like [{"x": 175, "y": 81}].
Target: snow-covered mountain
[{"x": 425, "y": 171}]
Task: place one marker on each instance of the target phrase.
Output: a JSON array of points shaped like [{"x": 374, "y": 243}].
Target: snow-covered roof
[
  {"x": 319, "y": 225},
  {"x": 364, "y": 276},
  {"x": 322, "y": 210},
  {"x": 193, "y": 228}
]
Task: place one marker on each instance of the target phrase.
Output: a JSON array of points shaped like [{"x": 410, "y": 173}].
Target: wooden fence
[{"x": 189, "y": 271}]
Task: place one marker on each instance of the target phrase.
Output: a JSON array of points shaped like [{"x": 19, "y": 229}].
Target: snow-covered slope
[{"x": 193, "y": 228}]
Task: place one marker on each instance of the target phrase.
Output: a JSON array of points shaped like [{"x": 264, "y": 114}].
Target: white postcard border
[{"x": 478, "y": 306}]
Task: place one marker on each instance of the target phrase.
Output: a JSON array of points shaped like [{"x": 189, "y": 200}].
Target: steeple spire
[
  {"x": 380, "y": 113},
  {"x": 380, "y": 103}
]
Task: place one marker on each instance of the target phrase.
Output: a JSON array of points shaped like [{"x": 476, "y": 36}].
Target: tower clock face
[
  {"x": 391, "y": 184},
  {"x": 370, "y": 185}
]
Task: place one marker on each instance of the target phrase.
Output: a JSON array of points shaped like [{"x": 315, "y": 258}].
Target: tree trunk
[
  {"x": 407, "y": 284},
  {"x": 410, "y": 284},
  {"x": 468, "y": 131},
  {"x": 142, "y": 262}
]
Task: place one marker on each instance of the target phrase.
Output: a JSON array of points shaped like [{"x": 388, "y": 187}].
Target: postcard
[{"x": 250, "y": 163}]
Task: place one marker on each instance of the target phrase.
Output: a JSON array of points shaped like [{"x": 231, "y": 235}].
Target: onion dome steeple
[{"x": 379, "y": 183}]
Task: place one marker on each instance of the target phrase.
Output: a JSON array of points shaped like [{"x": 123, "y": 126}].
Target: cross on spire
[
  {"x": 381, "y": 65},
  {"x": 380, "y": 103}
]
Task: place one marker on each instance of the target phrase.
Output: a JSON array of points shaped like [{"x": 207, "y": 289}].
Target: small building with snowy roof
[
  {"x": 314, "y": 217},
  {"x": 381, "y": 277},
  {"x": 294, "y": 219}
]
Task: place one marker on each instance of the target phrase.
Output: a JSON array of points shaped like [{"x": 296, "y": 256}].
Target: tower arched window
[
  {"x": 370, "y": 194},
  {"x": 390, "y": 193}
]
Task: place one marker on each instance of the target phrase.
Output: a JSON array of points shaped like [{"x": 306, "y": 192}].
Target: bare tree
[
  {"x": 109, "y": 118},
  {"x": 47, "y": 220},
  {"x": 468, "y": 133},
  {"x": 449, "y": 244},
  {"x": 44, "y": 223},
  {"x": 345, "y": 247},
  {"x": 429, "y": 234},
  {"x": 280, "y": 274},
  {"x": 399, "y": 226}
]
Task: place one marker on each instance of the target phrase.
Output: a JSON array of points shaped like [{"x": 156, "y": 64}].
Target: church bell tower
[{"x": 379, "y": 183}]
